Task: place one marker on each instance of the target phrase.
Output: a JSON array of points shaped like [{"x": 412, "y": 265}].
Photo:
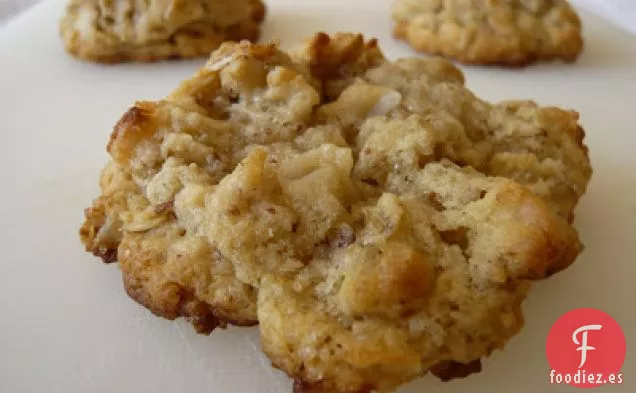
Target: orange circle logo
[{"x": 586, "y": 348}]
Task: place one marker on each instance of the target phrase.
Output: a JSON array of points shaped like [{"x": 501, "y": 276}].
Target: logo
[{"x": 586, "y": 348}]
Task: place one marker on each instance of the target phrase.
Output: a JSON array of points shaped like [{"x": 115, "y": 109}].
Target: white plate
[{"x": 65, "y": 323}]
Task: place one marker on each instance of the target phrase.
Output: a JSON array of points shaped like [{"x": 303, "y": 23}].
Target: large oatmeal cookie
[
  {"x": 376, "y": 218},
  {"x": 113, "y": 31},
  {"x": 501, "y": 32}
]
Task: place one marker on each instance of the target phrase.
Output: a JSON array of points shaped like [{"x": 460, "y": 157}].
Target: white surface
[
  {"x": 66, "y": 325},
  {"x": 621, "y": 12},
  {"x": 11, "y": 8}
]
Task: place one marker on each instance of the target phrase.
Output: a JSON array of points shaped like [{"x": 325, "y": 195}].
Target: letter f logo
[{"x": 583, "y": 344}]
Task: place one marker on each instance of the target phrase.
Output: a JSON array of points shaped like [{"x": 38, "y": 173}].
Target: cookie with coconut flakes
[
  {"x": 376, "y": 218},
  {"x": 115, "y": 31},
  {"x": 491, "y": 32}
]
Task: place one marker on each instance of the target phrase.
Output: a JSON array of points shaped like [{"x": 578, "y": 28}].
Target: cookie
[
  {"x": 376, "y": 218},
  {"x": 115, "y": 31},
  {"x": 491, "y": 32},
  {"x": 422, "y": 283},
  {"x": 171, "y": 274}
]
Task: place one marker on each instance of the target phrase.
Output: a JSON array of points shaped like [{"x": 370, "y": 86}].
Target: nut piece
[{"x": 399, "y": 276}]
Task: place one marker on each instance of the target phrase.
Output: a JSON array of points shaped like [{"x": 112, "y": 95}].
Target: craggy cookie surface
[
  {"x": 112, "y": 31},
  {"x": 376, "y": 218},
  {"x": 503, "y": 32}
]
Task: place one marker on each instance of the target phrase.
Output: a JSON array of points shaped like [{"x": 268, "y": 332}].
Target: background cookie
[
  {"x": 124, "y": 30},
  {"x": 497, "y": 32}
]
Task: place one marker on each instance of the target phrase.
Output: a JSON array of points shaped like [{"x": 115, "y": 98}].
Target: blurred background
[
  {"x": 621, "y": 12},
  {"x": 9, "y": 8}
]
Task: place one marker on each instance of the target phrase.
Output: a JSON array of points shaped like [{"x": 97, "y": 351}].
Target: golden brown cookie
[
  {"x": 376, "y": 218},
  {"x": 114, "y": 31},
  {"x": 491, "y": 32}
]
